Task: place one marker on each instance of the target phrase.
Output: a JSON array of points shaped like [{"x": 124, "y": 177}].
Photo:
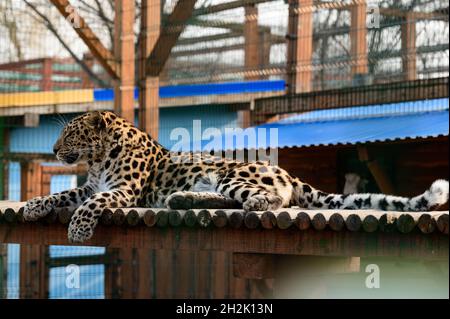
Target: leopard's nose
[{"x": 55, "y": 149}]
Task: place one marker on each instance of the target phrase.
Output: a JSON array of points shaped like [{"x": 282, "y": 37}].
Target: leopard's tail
[{"x": 309, "y": 197}]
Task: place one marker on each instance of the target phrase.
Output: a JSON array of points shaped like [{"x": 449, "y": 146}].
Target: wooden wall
[{"x": 411, "y": 165}]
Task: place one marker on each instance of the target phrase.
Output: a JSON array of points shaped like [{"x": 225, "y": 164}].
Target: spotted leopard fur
[{"x": 128, "y": 168}]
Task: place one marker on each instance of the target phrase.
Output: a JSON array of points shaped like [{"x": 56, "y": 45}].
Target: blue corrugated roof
[
  {"x": 323, "y": 131},
  {"x": 184, "y": 90}
]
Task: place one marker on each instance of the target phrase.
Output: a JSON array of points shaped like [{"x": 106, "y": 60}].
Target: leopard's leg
[
  {"x": 200, "y": 200},
  {"x": 253, "y": 197},
  {"x": 41, "y": 206},
  {"x": 85, "y": 218}
]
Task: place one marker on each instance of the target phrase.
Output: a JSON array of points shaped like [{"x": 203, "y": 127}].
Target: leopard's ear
[{"x": 95, "y": 120}]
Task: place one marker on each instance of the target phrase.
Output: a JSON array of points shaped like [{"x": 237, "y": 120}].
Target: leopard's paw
[
  {"x": 179, "y": 200},
  {"x": 37, "y": 207},
  {"x": 79, "y": 233},
  {"x": 262, "y": 202}
]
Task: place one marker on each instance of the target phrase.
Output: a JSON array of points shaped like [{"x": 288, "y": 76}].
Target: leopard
[{"x": 126, "y": 168}]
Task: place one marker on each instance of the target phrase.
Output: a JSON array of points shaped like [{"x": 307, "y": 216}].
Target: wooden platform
[{"x": 291, "y": 231}]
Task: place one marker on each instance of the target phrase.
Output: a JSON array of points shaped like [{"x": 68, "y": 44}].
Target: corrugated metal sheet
[{"x": 350, "y": 131}]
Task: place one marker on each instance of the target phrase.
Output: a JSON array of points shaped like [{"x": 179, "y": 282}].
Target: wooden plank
[
  {"x": 176, "y": 23},
  {"x": 103, "y": 55},
  {"x": 358, "y": 38},
  {"x": 124, "y": 51},
  {"x": 149, "y": 85},
  {"x": 408, "y": 38},
  {"x": 226, "y": 6},
  {"x": 253, "y": 266},
  {"x": 300, "y": 46},
  {"x": 381, "y": 177}
]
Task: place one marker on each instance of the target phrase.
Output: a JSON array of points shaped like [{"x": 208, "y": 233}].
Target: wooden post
[
  {"x": 251, "y": 36},
  {"x": 149, "y": 85},
  {"x": 300, "y": 46},
  {"x": 3, "y": 270},
  {"x": 358, "y": 38},
  {"x": 30, "y": 180},
  {"x": 46, "y": 82},
  {"x": 125, "y": 55},
  {"x": 408, "y": 30},
  {"x": 33, "y": 272},
  {"x": 252, "y": 54},
  {"x": 86, "y": 82}
]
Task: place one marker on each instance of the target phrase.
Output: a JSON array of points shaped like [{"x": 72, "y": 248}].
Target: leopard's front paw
[{"x": 37, "y": 207}]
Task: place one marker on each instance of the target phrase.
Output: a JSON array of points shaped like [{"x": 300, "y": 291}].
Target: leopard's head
[{"x": 82, "y": 138}]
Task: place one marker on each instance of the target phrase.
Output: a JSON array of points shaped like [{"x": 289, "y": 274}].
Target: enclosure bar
[
  {"x": 149, "y": 85},
  {"x": 124, "y": 50},
  {"x": 300, "y": 46},
  {"x": 408, "y": 39},
  {"x": 358, "y": 38}
]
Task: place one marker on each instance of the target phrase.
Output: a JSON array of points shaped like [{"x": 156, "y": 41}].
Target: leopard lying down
[{"x": 127, "y": 168}]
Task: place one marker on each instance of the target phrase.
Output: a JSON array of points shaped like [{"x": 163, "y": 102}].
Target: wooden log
[
  {"x": 268, "y": 220},
  {"x": 302, "y": 221},
  {"x": 353, "y": 222},
  {"x": 10, "y": 215},
  {"x": 204, "y": 218},
  {"x": 236, "y": 220},
  {"x": 387, "y": 223},
  {"x": 426, "y": 224},
  {"x": 319, "y": 222},
  {"x": 118, "y": 217},
  {"x": 284, "y": 220},
  {"x": 190, "y": 219},
  {"x": 150, "y": 218},
  {"x": 442, "y": 223},
  {"x": 162, "y": 218},
  {"x": 370, "y": 224},
  {"x": 405, "y": 223},
  {"x": 175, "y": 218},
  {"x": 336, "y": 222},
  {"x": 107, "y": 217},
  {"x": 133, "y": 218},
  {"x": 220, "y": 219},
  {"x": 20, "y": 217},
  {"x": 251, "y": 220}
]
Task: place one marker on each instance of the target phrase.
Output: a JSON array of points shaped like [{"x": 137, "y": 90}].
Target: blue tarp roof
[{"x": 342, "y": 129}]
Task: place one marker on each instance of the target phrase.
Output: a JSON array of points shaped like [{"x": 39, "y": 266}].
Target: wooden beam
[
  {"x": 101, "y": 53},
  {"x": 358, "y": 38},
  {"x": 276, "y": 241},
  {"x": 176, "y": 23},
  {"x": 300, "y": 46},
  {"x": 149, "y": 85},
  {"x": 382, "y": 179},
  {"x": 251, "y": 37},
  {"x": 124, "y": 50},
  {"x": 408, "y": 37}
]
